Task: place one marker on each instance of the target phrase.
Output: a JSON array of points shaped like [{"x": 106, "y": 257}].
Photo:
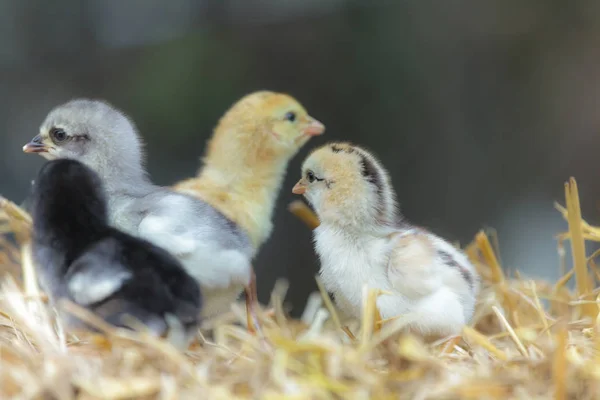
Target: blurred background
[{"x": 480, "y": 110}]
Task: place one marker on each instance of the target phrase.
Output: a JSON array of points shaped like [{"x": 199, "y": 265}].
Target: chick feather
[
  {"x": 247, "y": 157},
  {"x": 213, "y": 249},
  {"x": 363, "y": 240},
  {"x": 81, "y": 258}
]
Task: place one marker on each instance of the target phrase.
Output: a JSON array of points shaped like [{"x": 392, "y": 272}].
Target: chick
[
  {"x": 81, "y": 258},
  {"x": 363, "y": 240},
  {"x": 213, "y": 249},
  {"x": 247, "y": 157}
]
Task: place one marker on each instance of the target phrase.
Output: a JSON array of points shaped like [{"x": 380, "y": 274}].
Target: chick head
[
  {"x": 347, "y": 185},
  {"x": 90, "y": 131},
  {"x": 272, "y": 123}
]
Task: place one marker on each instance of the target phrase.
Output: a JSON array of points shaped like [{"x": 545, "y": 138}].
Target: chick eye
[
  {"x": 290, "y": 116},
  {"x": 310, "y": 176},
  {"x": 58, "y": 135}
]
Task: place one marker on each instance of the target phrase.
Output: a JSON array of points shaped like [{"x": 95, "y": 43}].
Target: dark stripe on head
[
  {"x": 370, "y": 171},
  {"x": 451, "y": 262},
  {"x": 336, "y": 149}
]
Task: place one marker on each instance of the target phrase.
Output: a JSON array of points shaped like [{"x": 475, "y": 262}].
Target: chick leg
[
  {"x": 448, "y": 343},
  {"x": 251, "y": 304},
  {"x": 378, "y": 321}
]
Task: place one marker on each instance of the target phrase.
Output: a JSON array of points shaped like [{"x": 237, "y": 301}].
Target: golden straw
[{"x": 584, "y": 286}]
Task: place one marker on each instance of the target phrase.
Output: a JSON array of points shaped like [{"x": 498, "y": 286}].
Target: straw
[{"x": 516, "y": 346}]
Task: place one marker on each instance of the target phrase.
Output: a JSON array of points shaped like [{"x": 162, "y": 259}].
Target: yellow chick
[{"x": 247, "y": 157}]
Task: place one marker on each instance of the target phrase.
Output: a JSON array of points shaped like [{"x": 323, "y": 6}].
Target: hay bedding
[{"x": 528, "y": 340}]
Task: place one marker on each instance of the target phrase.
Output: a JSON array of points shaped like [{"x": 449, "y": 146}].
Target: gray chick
[
  {"x": 214, "y": 250},
  {"x": 81, "y": 258}
]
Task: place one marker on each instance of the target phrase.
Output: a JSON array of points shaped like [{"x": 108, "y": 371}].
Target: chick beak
[
  {"x": 314, "y": 128},
  {"x": 35, "y": 146},
  {"x": 299, "y": 188}
]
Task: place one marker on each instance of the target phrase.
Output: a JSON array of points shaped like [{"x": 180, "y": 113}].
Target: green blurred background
[{"x": 480, "y": 110}]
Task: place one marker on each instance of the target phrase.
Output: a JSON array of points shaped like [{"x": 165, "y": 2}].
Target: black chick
[{"x": 81, "y": 258}]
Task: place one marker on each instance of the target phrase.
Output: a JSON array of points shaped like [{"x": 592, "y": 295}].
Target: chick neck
[
  {"x": 68, "y": 227},
  {"x": 243, "y": 181},
  {"x": 356, "y": 226},
  {"x": 123, "y": 182},
  {"x": 359, "y": 221},
  {"x": 123, "y": 176}
]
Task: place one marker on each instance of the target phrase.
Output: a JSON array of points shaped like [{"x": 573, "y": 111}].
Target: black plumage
[{"x": 80, "y": 257}]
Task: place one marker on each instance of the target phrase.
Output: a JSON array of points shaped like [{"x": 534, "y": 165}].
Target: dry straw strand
[{"x": 584, "y": 286}]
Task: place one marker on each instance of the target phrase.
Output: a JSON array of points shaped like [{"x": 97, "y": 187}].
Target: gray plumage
[
  {"x": 212, "y": 248},
  {"x": 115, "y": 275}
]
